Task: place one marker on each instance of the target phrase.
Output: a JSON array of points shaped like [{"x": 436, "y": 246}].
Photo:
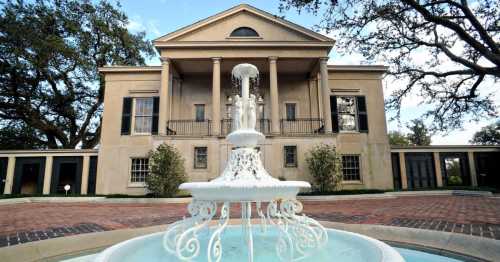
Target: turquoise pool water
[{"x": 341, "y": 247}]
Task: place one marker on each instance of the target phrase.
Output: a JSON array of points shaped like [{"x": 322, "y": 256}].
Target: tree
[
  {"x": 447, "y": 51},
  {"x": 19, "y": 136},
  {"x": 325, "y": 165},
  {"x": 167, "y": 172},
  {"x": 398, "y": 139},
  {"x": 419, "y": 134},
  {"x": 488, "y": 135},
  {"x": 50, "y": 52}
]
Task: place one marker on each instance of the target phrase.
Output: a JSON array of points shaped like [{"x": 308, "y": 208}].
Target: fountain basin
[
  {"x": 342, "y": 246},
  {"x": 245, "y": 137},
  {"x": 242, "y": 190}
]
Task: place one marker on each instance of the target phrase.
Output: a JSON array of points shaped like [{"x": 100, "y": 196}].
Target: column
[
  {"x": 47, "y": 176},
  {"x": 472, "y": 168},
  {"x": 327, "y": 115},
  {"x": 85, "y": 175},
  {"x": 9, "y": 179},
  {"x": 164, "y": 96},
  {"x": 216, "y": 97},
  {"x": 273, "y": 85},
  {"x": 402, "y": 167},
  {"x": 437, "y": 170}
]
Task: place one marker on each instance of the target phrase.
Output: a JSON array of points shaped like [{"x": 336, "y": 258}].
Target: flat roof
[
  {"x": 358, "y": 68},
  {"x": 119, "y": 69},
  {"x": 49, "y": 151}
]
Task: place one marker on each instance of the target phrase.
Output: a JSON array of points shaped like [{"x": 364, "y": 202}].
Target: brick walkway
[{"x": 479, "y": 216}]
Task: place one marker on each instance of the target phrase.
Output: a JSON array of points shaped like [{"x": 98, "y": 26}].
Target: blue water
[{"x": 341, "y": 247}]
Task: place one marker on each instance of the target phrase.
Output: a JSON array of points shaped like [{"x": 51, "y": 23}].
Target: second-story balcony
[
  {"x": 261, "y": 125},
  {"x": 187, "y": 127},
  {"x": 302, "y": 126}
]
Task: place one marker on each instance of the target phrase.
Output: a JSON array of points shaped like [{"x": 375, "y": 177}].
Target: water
[{"x": 342, "y": 246}]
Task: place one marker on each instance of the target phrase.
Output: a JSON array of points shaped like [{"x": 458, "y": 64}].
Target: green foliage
[
  {"x": 325, "y": 165},
  {"x": 454, "y": 181},
  {"x": 50, "y": 52},
  {"x": 488, "y": 135},
  {"x": 419, "y": 134},
  {"x": 166, "y": 171},
  {"x": 19, "y": 136},
  {"x": 398, "y": 139}
]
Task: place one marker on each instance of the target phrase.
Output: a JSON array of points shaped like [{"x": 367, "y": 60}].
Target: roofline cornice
[
  {"x": 358, "y": 68},
  {"x": 190, "y": 44},
  {"x": 119, "y": 69}
]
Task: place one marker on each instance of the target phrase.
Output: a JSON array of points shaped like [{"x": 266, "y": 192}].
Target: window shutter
[
  {"x": 156, "y": 109},
  {"x": 362, "y": 114},
  {"x": 335, "y": 117},
  {"x": 126, "y": 115}
]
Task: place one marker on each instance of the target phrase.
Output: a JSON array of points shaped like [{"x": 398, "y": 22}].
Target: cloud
[{"x": 137, "y": 24}]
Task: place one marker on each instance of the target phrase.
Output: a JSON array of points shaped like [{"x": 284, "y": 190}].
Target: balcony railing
[
  {"x": 302, "y": 126},
  {"x": 261, "y": 125},
  {"x": 189, "y": 128}
]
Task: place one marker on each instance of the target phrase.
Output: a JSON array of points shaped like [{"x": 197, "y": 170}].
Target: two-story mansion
[{"x": 186, "y": 102}]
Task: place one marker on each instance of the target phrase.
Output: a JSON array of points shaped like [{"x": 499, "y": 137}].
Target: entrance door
[
  {"x": 3, "y": 173},
  {"x": 396, "y": 171},
  {"x": 66, "y": 170},
  {"x": 455, "y": 169},
  {"x": 92, "y": 175},
  {"x": 487, "y": 169},
  {"x": 29, "y": 175},
  {"x": 420, "y": 170}
]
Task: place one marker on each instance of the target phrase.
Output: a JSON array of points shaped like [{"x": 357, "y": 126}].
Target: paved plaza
[{"x": 479, "y": 216}]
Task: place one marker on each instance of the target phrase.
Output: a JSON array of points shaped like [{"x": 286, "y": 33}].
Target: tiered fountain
[{"x": 277, "y": 232}]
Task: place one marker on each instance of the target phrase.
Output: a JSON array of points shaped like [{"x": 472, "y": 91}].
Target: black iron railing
[
  {"x": 189, "y": 128},
  {"x": 261, "y": 125},
  {"x": 302, "y": 126}
]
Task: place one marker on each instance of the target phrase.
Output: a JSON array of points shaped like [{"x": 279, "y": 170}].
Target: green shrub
[
  {"x": 325, "y": 165},
  {"x": 454, "y": 180},
  {"x": 166, "y": 171}
]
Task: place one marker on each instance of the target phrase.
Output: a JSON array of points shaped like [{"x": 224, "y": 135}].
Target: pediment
[{"x": 219, "y": 27}]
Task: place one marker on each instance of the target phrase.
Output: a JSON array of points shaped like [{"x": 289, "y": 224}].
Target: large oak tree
[
  {"x": 445, "y": 51},
  {"x": 50, "y": 51}
]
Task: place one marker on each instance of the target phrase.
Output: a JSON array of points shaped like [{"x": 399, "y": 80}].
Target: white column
[
  {"x": 472, "y": 168},
  {"x": 437, "y": 170},
  {"x": 164, "y": 96},
  {"x": 85, "y": 175},
  {"x": 327, "y": 116},
  {"x": 402, "y": 169},
  {"x": 273, "y": 85},
  {"x": 216, "y": 97},
  {"x": 47, "y": 177},
  {"x": 9, "y": 179}
]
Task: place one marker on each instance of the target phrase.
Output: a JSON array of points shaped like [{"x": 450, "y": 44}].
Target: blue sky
[{"x": 159, "y": 17}]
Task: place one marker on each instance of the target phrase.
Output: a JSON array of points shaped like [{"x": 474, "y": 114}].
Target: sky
[{"x": 159, "y": 17}]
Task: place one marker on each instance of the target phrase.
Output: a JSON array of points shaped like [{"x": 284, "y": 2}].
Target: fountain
[{"x": 204, "y": 236}]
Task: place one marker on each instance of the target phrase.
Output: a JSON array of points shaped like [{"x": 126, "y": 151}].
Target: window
[
  {"x": 200, "y": 157},
  {"x": 139, "y": 170},
  {"x": 244, "y": 32},
  {"x": 290, "y": 156},
  {"x": 346, "y": 107},
  {"x": 199, "y": 112},
  {"x": 350, "y": 168},
  {"x": 290, "y": 111},
  {"x": 143, "y": 115}
]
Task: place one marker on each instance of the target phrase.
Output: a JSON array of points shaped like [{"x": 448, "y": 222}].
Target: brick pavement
[{"x": 479, "y": 216}]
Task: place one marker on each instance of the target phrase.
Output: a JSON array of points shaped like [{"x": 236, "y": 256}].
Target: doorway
[
  {"x": 455, "y": 169},
  {"x": 66, "y": 170},
  {"x": 3, "y": 173},
  {"x": 420, "y": 170},
  {"x": 487, "y": 169},
  {"x": 29, "y": 175}
]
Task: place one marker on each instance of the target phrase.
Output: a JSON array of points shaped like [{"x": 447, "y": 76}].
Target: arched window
[{"x": 244, "y": 32}]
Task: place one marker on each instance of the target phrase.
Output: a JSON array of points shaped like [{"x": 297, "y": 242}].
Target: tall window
[
  {"x": 346, "y": 107},
  {"x": 143, "y": 115},
  {"x": 139, "y": 170},
  {"x": 200, "y": 157},
  {"x": 290, "y": 156},
  {"x": 350, "y": 168},
  {"x": 199, "y": 112},
  {"x": 291, "y": 110}
]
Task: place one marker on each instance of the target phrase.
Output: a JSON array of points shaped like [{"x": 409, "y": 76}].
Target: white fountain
[{"x": 245, "y": 183}]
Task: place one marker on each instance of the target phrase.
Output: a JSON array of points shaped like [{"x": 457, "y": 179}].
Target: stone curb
[
  {"x": 62, "y": 248},
  {"x": 183, "y": 200}
]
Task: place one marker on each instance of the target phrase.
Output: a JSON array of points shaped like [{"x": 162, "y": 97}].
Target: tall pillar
[
  {"x": 437, "y": 170},
  {"x": 327, "y": 115},
  {"x": 472, "y": 168},
  {"x": 85, "y": 175},
  {"x": 9, "y": 179},
  {"x": 164, "y": 96},
  {"x": 402, "y": 167},
  {"x": 273, "y": 85},
  {"x": 47, "y": 176},
  {"x": 216, "y": 97}
]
